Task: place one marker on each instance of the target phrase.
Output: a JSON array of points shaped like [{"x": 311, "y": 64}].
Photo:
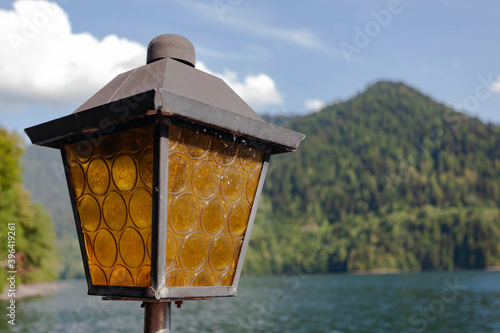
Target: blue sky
[{"x": 282, "y": 57}]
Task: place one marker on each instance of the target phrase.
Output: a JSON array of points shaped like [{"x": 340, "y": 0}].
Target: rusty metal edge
[
  {"x": 53, "y": 132},
  {"x": 282, "y": 139}
]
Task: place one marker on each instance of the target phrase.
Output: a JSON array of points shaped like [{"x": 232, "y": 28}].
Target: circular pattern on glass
[
  {"x": 147, "y": 259},
  {"x": 98, "y": 275},
  {"x": 250, "y": 158},
  {"x": 178, "y": 173},
  {"x": 227, "y": 279},
  {"x": 173, "y": 136},
  {"x": 88, "y": 247},
  {"x": 108, "y": 145},
  {"x": 135, "y": 140},
  {"x": 205, "y": 179},
  {"x": 144, "y": 277},
  {"x": 82, "y": 151},
  {"x": 124, "y": 172},
  {"x": 98, "y": 176},
  {"x": 232, "y": 184},
  {"x": 213, "y": 217},
  {"x": 141, "y": 205},
  {"x": 171, "y": 249},
  {"x": 184, "y": 214},
  {"x": 224, "y": 151},
  {"x": 90, "y": 214},
  {"x": 114, "y": 211},
  {"x": 237, "y": 244},
  {"x": 195, "y": 144},
  {"x": 105, "y": 248},
  {"x": 148, "y": 245},
  {"x": 204, "y": 279},
  {"x": 238, "y": 219},
  {"x": 175, "y": 279},
  {"x": 252, "y": 183},
  {"x": 121, "y": 277},
  {"x": 77, "y": 179},
  {"x": 221, "y": 253},
  {"x": 132, "y": 248},
  {"x": 193, "y": 252},
  {"x": 146, "y": 167}
]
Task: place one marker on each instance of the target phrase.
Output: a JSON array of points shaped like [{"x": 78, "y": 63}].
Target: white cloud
[
  {"x": 496, "y": 85},
  {"x": 42, "y": 62},
  {"x": 314, "y": 105},
  {"x": 258, "y": 90}
]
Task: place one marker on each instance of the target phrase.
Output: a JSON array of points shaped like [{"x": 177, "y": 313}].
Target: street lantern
[{"x": 165, "y": 166}]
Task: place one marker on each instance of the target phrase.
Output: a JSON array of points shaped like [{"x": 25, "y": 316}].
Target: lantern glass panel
[
  {"x": 112, "y": 178},
  {"x": 211, "y": 190}
]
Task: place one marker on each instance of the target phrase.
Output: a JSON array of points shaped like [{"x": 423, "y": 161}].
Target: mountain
[
  {"x": 389, "y": 179},
  {"x": 44, "y": 178},
  {"x": 279, "y": 120}
]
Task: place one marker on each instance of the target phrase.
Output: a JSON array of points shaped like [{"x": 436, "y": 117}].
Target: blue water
[{"x": 340, "y": 303}]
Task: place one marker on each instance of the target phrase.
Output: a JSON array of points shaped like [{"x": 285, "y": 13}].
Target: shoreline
[
  {"x": 382, "y": 271},
  {"x": 492, "y": 269},
  {"x": 34, "y": 290},
  {"x": 47, "y": 288}
]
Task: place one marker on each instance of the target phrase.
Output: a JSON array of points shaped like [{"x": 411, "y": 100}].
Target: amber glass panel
[
  {"x": 112, "y": 179},
  {"x": 212, "y": 184}
]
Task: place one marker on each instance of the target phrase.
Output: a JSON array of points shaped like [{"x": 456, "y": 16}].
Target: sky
[{"x": 281, "y": 57}]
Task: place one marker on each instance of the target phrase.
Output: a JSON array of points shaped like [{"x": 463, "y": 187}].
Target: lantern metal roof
[{"x": 167, "y": 84}]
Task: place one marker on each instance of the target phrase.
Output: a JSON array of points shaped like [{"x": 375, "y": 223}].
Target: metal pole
[{"x": 157, "y": 317}]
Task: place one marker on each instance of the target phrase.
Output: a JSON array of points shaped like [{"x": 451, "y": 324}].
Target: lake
[{"x": 462, "y": 302}]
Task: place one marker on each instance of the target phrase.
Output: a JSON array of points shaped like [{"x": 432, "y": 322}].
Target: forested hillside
[
  {"x": 388, "y": 179},
  {"x": 44, "y": 177},
  {"x": 28, "y": 225}
]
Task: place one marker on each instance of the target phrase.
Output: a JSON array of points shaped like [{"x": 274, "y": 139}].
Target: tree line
[
  {"x": 31, "y": 231},
  {"x": 389, "y": 179}
]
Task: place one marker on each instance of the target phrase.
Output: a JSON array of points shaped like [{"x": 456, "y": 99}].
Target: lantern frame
[{"x": 162, "y": 109}]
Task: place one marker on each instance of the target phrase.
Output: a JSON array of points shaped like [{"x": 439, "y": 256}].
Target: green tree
[{"x": 34, "y": 235}]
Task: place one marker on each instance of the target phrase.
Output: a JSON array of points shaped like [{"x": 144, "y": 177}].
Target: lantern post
[{"x": 165, "y": 166}]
